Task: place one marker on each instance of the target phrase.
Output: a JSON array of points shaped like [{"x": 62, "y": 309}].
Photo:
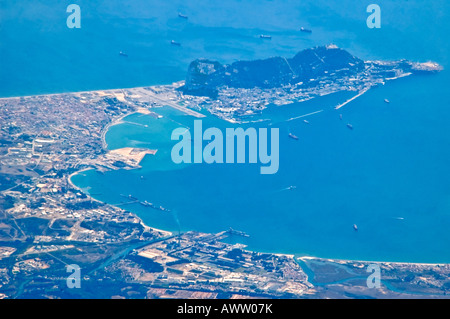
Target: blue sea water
[{"x": 389, "y": 175}]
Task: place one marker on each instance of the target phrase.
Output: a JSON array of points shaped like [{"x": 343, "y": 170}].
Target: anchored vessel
[
  {"x": 305, "y": 30},
  {"x": 129, "y": 196},
  {"x": 148, "y": 204},
  {"x": 175, "y": 43},
  {"x": 232, "y": 231},
  {"x": 264, "y": 36}
]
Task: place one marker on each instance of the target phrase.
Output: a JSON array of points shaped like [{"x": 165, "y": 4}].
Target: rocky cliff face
[{"x": 205, "y": 76}]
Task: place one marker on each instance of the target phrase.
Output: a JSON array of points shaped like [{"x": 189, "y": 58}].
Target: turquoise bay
[{"x": 390, "y": 175}]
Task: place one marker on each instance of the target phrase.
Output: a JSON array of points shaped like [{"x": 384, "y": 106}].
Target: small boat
[
  {"x": 340, "y": 117},
  {"x": 182, "y": 16},
  {"x": 387, "y": 101},
  {"x": 305, "y": 30},
  {"x": 175, "y": 43},
  {"x": 264, "y": 36},
  {"x": 306, "y": 121},
  {"x": 355, "y": 227},
  {"x": 293, "y": 136},
  {"x": 129, "y": 196},
  {"x": 123, "y": 54},
  {"x": 292, "y": 187},
  {"x": 350, "y": 126}
]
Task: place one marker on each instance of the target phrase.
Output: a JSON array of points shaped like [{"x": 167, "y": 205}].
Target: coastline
[
  {"x": 119, "y": 120},
  {"x": 164, "y": 232},
  {"x": 76, "y": 173},
  {"x": 81, "y": 92},
  {"x": 341, "y": 261},
  {"x": 104, "y": 131}
]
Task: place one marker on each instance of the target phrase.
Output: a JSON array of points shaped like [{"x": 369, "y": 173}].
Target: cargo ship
[
  {"x": 163, "y": 209},
  {"x": 129, "y": 196},
  {"x": 305, "y": 30},
  {"x": 146, "y": 204}
]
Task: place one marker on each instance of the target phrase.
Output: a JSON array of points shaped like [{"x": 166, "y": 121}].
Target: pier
[{"x": 232, "y": 231}]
